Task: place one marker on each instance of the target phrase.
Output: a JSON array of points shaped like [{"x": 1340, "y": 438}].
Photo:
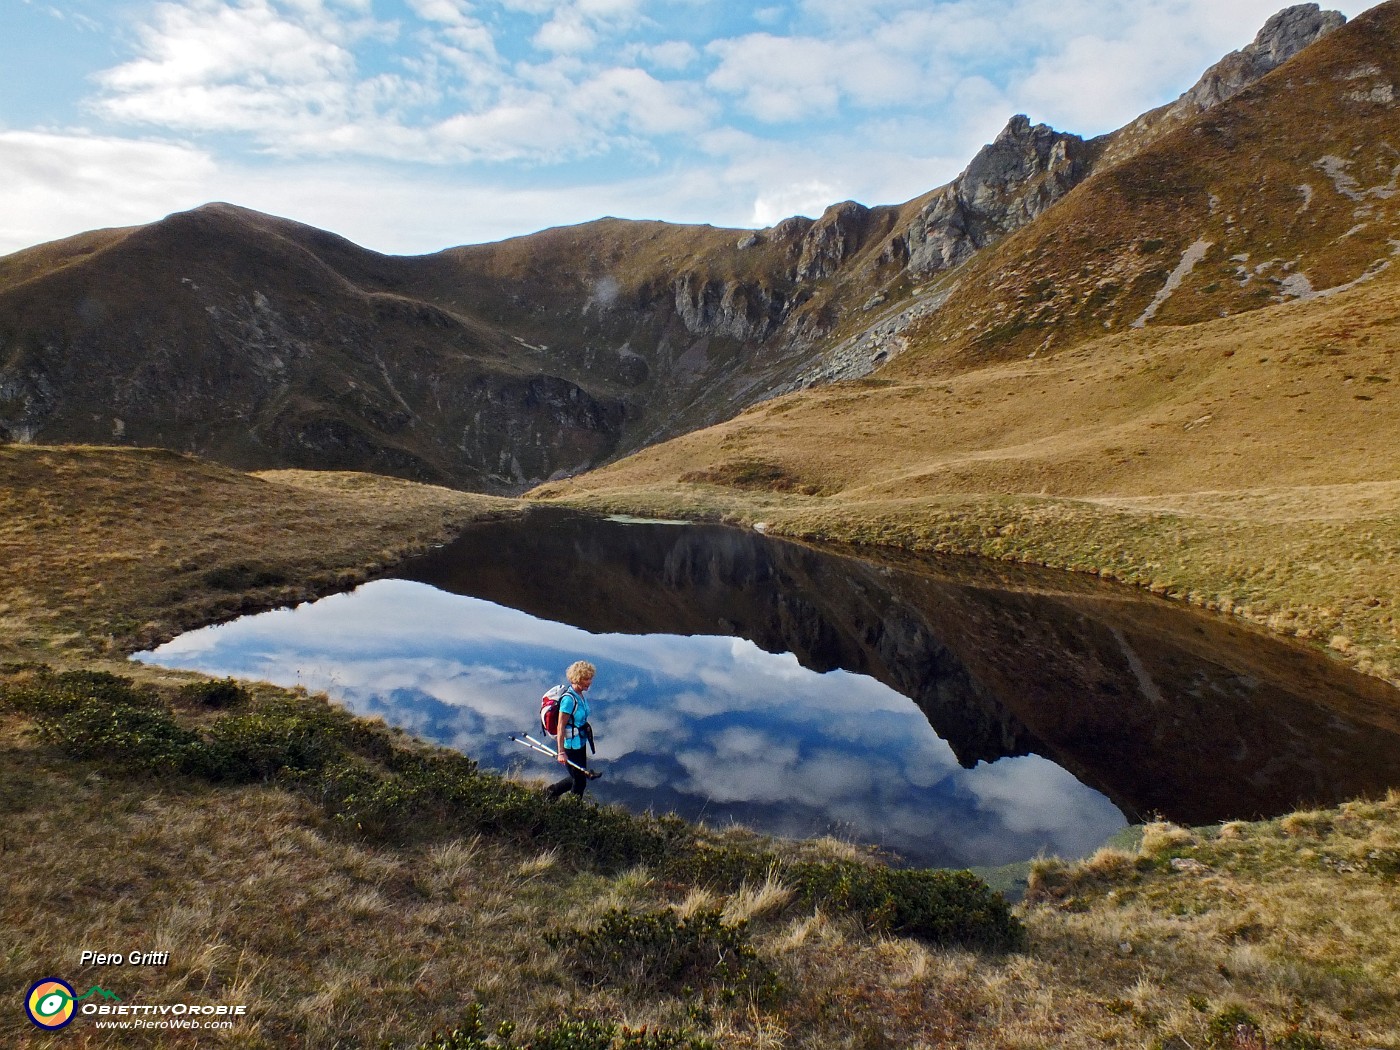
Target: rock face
[
  {"x": 1028, "y": 168},
  {"x": 1010, "y": 182},
  {"x": 833, "y": 239},
  {"x": 1283, "y": 36},
  {"x": 733, "y": 309}
]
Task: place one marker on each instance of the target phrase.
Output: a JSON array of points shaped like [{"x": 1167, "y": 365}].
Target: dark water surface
[{"x": 954, "y": 714}]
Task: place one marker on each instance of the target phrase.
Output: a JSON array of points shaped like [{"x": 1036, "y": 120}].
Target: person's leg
[
  {"x": 576, "y": 781},
  {"x": 578, "y": 758}
]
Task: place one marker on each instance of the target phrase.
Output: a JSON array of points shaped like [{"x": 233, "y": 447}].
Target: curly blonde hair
[{"x": 580, "y": 671}]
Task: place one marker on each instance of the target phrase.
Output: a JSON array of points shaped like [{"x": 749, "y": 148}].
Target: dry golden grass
[
  {"x": 1295, "y": 919},
  {"x": 108, "y": 550},
  {"x": 334, "y": 942},
  {"x": 1250, "y": 464}
]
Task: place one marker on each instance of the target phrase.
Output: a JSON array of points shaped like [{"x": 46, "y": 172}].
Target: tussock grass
[
  {"x": 1290, "y": 923},
  {"x": 392, "y": 928},
  {"x": 109, "y": 550}
]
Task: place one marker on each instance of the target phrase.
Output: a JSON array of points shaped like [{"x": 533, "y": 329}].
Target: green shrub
[
  {"x": 1384, "y": 862},
  {"x": 141, "y": 739},
  {"x": 243, "y": 576},
  {"x": 38, "y": 690},
  {"x": 215, "y": 694},
  {"x": 1232, "y": 1027},
  {"x": 260, "y": 746},
  {"x": 659, "y": 952},
  {"x": 1299, "y": 1040},
  {"x": 942, "y": 907}
]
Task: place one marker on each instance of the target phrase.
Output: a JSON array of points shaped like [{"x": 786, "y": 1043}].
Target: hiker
[{"x": 574, "y": 733}]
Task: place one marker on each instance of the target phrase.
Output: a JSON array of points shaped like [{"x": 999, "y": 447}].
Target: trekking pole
[{"x": 534, "y": 745}]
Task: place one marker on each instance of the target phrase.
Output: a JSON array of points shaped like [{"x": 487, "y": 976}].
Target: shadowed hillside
[{"x": 260, "y": 342}]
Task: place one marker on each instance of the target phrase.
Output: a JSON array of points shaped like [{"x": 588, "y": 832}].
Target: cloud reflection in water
[{"x": 713, "y": 728}]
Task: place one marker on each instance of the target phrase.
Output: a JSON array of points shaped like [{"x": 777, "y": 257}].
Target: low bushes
[
  {"x": 378, "y": 789},
  {"x": 216, "y": 694},
  {"x": 570, "y": 1034},
  {"x": 657, "y": 951}
]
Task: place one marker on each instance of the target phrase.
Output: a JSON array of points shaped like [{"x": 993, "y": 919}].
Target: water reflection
[
  {"x": 747, "y": 679},
  {"x": 1163, "y": 710},
  {"x": 713, "y": 728}
]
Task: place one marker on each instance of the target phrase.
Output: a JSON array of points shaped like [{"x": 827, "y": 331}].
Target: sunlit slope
[
  {"x": 1287, "y": 191},
  {"x": 1298, "y": 394},
  {"x": 1250, "y": 463}
]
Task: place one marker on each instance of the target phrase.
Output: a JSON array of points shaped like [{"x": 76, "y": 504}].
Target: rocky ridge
[
  {"x": 264, "y": 343},
  {"x": 1282, "y": 37}
]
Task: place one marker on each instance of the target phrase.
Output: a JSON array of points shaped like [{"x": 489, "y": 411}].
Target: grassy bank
[
  {"x": 109, "y": 550},
  {"x": 354, "y": 888}
]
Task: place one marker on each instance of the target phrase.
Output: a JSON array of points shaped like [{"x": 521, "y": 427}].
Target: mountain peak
[
  {"x": 1282, "y": 37},
  {"x": 1292, "y": 29}
]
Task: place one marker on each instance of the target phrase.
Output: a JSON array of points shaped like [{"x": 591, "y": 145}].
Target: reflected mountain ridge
[{"x": 1166, "y": 711}]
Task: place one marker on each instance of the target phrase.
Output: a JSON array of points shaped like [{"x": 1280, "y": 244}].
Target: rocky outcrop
[
  {"x": 529, "y": 429},
  {"x": 733, "y": 309},
  {"x": 831, "y": 240},
  {"x": 1028, "y": 168},
  {"x": 1010, "y": 182},
  {"x": 1282, "y": 37}
]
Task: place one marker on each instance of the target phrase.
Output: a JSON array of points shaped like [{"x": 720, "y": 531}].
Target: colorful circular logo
[{"x": 49, "y": 1003}]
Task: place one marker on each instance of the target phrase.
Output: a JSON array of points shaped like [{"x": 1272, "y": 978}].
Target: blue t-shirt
[{"x": 573, "y": 703}]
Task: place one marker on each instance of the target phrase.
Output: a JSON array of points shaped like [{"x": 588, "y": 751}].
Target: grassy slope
[
  {"x": 108, "y": 550},
  {"x": 391, "y": 938},
  {"x": 1238, "y": 449},
  {"x": 1247, "y": 464}
]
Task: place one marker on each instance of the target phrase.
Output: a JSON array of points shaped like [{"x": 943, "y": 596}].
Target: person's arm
[{"x": 566, "y": 719}]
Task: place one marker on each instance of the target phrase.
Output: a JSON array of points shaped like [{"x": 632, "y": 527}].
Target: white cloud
[
  {"x": 671, "y": 55},
  {"x": 578, "y": 26},
  {"x": 778, "y": 79},
  {"x": 633, "y": 99},
  {"x": 448, "y": 12},
  {"x": 566, "y": 33},
  {"x": 316, "y": 109},
  {"x": 248, "y": 67},
  {"x": 810, "y": 197},
  {"x": 61, "y": 184}
]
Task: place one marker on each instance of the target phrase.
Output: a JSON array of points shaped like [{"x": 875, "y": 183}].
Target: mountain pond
[{"x": 949, "y": 712}]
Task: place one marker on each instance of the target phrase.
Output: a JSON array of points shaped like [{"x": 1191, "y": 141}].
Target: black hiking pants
[{"x": 575, "y": 781}]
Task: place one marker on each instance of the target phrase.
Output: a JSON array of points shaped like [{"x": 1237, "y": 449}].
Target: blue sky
[{"x": 414, "y": 125}]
